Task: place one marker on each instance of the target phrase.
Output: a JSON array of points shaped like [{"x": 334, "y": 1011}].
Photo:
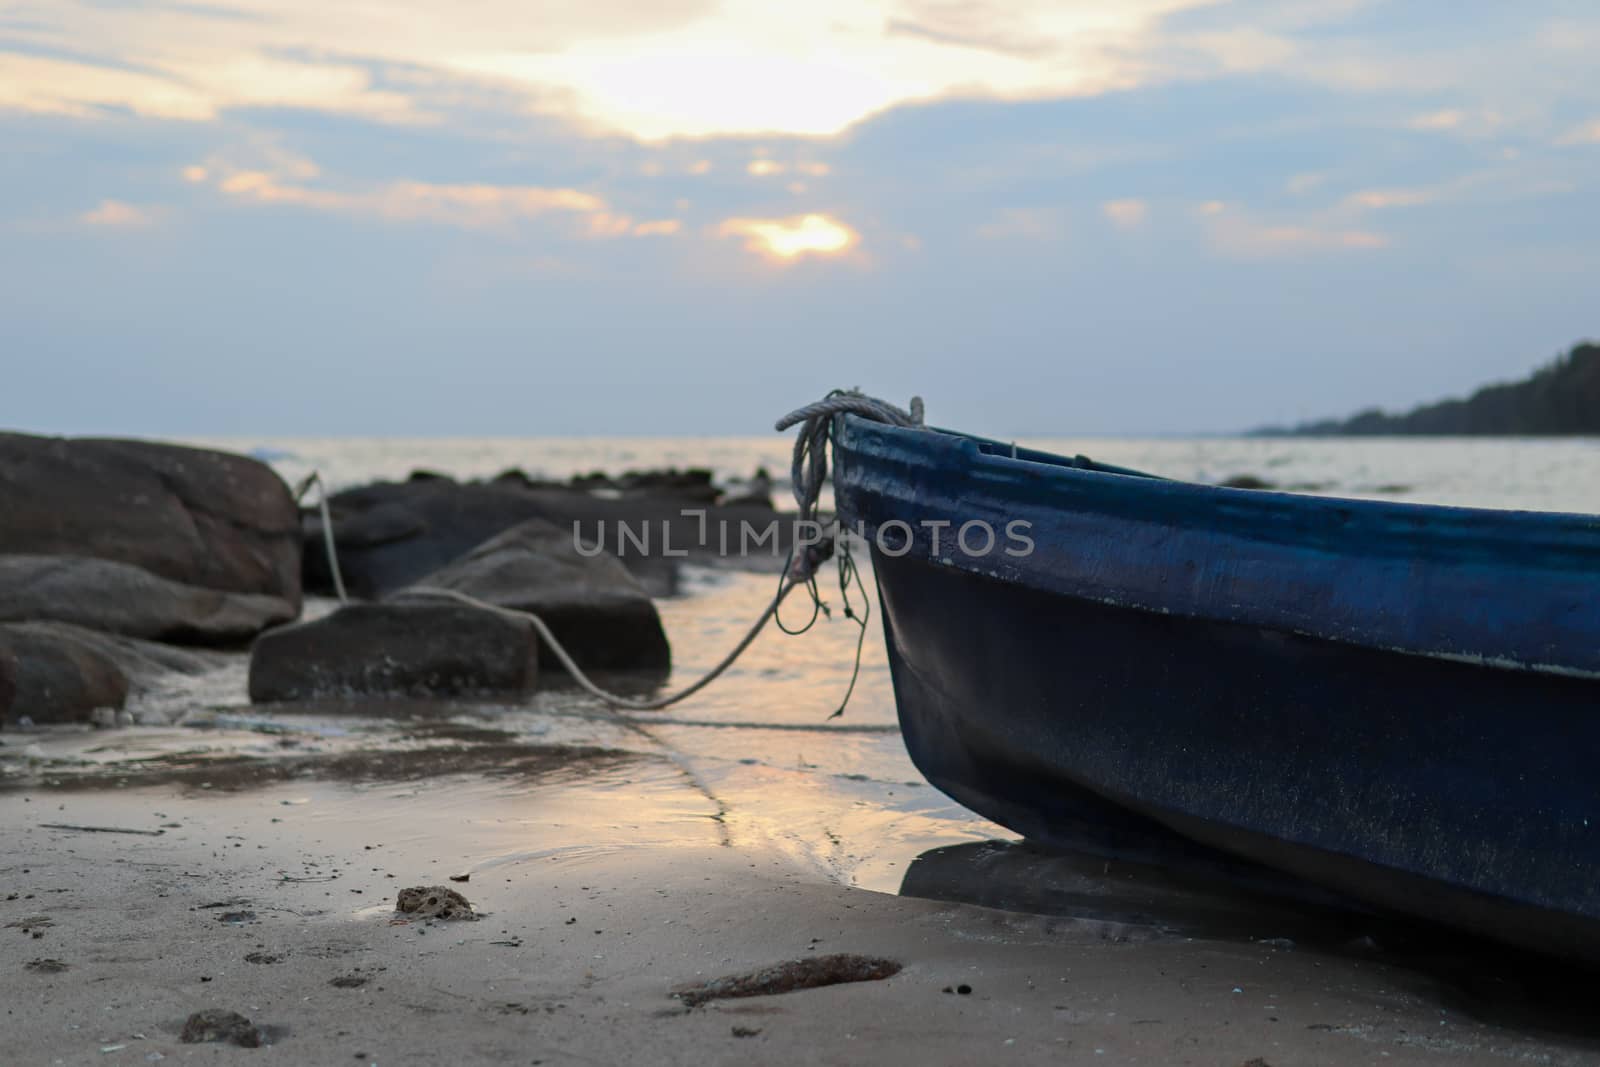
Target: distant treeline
[{"x": 1562, "y": 397}]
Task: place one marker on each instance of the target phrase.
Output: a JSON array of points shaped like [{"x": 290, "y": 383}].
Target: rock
[
  {"x": 146, "y": 663},
  {"x": 391, "y": 534},
  {"x": 1246, "y": 481},
  {"x": 757, "y": 492},
  {"x": 147, "y": 668},
  {"x": 517, "y": 478},
  {"x": 205, "y": 519},
  {"x": 48, "y": 676},
  {"x": 597, "y": 610},
  {"x": 121, "y": 598},
  {"x": 433, "y": 902},
  {"x": 397, "y": 648},
  {"x": 693, "y": 484},
  {"x": 215, "y": 1024}
]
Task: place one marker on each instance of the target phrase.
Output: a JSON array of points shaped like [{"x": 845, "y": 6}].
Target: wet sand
[{"x": 605, "y": 885}]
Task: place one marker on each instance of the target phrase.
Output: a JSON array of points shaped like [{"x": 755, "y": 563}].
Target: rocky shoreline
[{"x": 124, "y": 563}]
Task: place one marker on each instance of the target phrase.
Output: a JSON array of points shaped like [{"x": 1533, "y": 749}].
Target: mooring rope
[
  {"x": 583, "y": 680},
  {"x": 315, "y": 478},
  {"x": 810, "y": 472}
]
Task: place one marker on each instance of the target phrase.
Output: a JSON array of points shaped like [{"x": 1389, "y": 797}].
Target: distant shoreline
[{"x": 1560, "y": 399}]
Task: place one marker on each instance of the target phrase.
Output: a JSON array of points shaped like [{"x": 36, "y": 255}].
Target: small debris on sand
[
  {"x": 237, "y": 918},
  {"x": 99, "y": 829},
  {"x": 348, "y": 981},
  {"x": 433, "y": 902},
  {"x": 746, "y": 1031},
  {"x": 461, "y": 877},
  {"x": 262, "y": 957},
  {"x": 791, "y": 976},
  {"x": 45, "y": 966},
  {"x": 215, "y": 1024}
]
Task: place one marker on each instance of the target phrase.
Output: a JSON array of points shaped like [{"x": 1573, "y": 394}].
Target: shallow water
[{"x": 754, "y": 761}]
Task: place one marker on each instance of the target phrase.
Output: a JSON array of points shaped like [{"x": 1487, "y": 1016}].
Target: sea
[{"x": 757, "y": 760}]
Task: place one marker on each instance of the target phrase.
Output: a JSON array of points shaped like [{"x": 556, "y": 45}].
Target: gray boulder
[
  {"x": 391, "y": 534},
  {"x": 57, "y": 672},
  {"x": 124, "y": 599},
  {"x": 205, "y": 519},
  {"x": 595, "y": 607},
  {"x": 418, "y": 648},
  {"x": 49, "y": 677}
]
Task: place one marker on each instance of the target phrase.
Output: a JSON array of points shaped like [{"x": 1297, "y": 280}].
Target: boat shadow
[{"x": 1189, "y": 894}]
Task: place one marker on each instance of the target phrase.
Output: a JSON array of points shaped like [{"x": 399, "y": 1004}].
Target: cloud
[
  {"x": 276, "y": 177},
  {"x": 701, "y": 68},
  {"x": 1238, "y": 235},
  {"x": 684, "y": 68},
  {"x": 1449, "y": 119},
  {"x": 1126, "y": 214},
  {"x": 117, "y": 214},
  {"x": 788, "y": 239},
  {"x": 764, "y": 167},
  {"x": 1588, "y": 133},
  {"x": 195, "y": 88},
  {"x": 1378, "y": 199}
]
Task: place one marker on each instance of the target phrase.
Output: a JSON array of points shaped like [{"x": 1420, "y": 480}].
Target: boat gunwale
[{"x": 1479, "y": 560}]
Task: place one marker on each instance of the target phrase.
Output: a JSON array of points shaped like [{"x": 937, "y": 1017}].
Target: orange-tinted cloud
[
  {"x": 1378, "y": 199},
  {"x": 1128, "y": 214},
  {"x": 117, "y": 214},
  {"x": 1236, "y": 233},
  {"x": 789, "y": 239},
  {"x": 1588, "y": 133}
]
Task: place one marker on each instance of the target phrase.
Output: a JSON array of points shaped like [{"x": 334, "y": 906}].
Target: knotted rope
[
  {"x": 810, "y": 469},
  {"x": 810, "y": 472}
]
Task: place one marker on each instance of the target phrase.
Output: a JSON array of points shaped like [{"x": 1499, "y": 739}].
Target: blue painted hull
[{"x": 1400, "y": 703}]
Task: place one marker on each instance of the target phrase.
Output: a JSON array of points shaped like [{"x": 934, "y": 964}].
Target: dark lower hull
[{"x": 1455, "y": 792}]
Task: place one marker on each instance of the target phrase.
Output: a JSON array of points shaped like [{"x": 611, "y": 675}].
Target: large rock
[
  {"x": 205, "y": 519},
  {"x": 390, "y": 534},
  {"x": 124, "y": 599},
  {"x": 597, "y": 610},
  {"x": 48, "y": 677},
  {"x": 402, "y": 648},
  {"x": 57, "y": 672}
]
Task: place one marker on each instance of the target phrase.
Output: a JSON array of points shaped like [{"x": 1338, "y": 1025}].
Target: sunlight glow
[
  {"x": 674, "y": 68},
  {"x": 788, "y": 239}
]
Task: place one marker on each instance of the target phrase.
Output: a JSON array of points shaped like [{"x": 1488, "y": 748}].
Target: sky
[{"x": 530, "y": 217}]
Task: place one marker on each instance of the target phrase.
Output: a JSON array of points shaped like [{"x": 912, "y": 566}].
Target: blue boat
[{"x": 1397, "y": 702}]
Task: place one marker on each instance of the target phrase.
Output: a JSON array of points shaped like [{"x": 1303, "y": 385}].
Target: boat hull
[
  {"x": 1434, "y": 788},
  {"x": 1459, "y": 787}
]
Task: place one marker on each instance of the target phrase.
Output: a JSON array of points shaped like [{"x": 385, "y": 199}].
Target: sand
[{"x": 277, "y": 902}]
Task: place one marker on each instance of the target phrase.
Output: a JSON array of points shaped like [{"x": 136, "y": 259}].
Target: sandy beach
[{"x": 597, "y": 906}]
